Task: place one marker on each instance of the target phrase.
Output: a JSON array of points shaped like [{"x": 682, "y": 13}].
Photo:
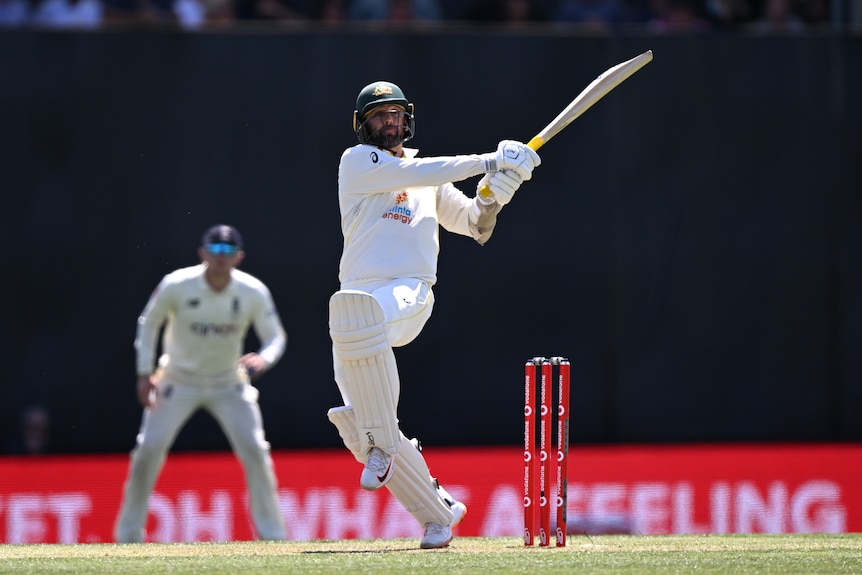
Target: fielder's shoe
[
  {"x": 130, "y": 536},
  {"x": 378, "y": 469}
]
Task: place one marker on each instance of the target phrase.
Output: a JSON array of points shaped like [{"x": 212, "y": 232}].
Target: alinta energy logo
[{"x": 400, "y": 213}]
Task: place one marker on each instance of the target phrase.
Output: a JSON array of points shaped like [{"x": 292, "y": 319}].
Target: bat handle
[
  {"x": 533, "y": 144},
  {"x": 536, "y": 143}
]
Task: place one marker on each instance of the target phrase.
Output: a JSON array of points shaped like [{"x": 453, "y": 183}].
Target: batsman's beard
[{"x": 390, "y": 139}]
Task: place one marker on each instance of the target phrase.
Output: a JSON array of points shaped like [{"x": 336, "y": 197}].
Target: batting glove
[
  {"x": 503, "y": 186},
  {"x": 512, "y": 155}
]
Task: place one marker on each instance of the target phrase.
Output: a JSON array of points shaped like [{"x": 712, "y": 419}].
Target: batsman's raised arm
[{"x": 366, "y": 170}]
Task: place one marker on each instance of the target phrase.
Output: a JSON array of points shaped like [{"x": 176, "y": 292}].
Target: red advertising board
[{"x": 628, "y": 489}]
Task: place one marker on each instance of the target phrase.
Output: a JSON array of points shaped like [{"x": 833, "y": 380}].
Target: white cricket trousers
[
  {"x": 407, "y": 305},
  {"x": 235, "y": 408}
]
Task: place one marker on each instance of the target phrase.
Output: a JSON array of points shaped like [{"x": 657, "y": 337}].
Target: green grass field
[{"x": 595, "y": 555}]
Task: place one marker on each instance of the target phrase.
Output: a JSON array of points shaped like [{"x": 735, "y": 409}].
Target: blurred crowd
[
  {"x": 33, "y": 435},
  {"x": 657, "y": 16}
]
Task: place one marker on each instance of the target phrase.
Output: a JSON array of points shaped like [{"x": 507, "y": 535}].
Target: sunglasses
[{"x": 222, "y": 249}]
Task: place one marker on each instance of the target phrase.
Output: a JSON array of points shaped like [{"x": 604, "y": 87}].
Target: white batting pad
[
  {"x": 357, "y": 326},
  {"x": 413, "y": 487},
  {"x": 342, "y": 418}
]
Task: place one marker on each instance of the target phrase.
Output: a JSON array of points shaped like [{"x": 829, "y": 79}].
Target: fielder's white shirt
[
  {"x": 391, "y": 210},
  {"x": 205, "y": 331}
]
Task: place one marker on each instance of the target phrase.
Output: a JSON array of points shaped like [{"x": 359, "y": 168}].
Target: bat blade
[{"x": 595, "y": 91}]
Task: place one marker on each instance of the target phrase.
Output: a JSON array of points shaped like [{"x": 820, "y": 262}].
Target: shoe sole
[{"x": 440, "y": 546}]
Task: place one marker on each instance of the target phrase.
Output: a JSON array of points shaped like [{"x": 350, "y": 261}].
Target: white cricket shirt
[
  {"x": 391, "y": 210},
  {"x": 205, "y": 330}
]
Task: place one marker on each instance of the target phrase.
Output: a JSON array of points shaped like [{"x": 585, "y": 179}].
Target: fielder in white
[
  {"x": 208, "y": 309},
  {"x": 392, "y": 206}
]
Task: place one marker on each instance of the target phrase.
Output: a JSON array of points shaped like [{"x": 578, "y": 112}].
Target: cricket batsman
[{"x": 392, "y": 205}]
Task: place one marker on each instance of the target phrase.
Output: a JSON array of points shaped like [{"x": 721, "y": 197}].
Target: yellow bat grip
[
  {"x": 536, "y": 143},
  {"x": 533, "y": 144}
]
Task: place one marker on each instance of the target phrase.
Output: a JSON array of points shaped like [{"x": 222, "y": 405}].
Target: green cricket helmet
[{"x": 378, "y": 94}]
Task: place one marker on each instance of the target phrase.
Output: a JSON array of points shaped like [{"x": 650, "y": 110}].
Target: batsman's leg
[
  {"x": 411, "y": 483},
  {"x": 238, "y": 413},
  {"x": 413, "y": 486},
  {"x": 342, "y": 418},
  {"x": 369, "y": 379}
]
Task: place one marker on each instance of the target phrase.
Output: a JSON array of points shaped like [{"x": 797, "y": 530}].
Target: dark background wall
[{"x": 691, "y": 243}]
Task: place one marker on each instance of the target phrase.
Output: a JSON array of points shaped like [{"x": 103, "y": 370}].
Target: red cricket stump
[
  {"x": 545, "y": 461},
  {"x": 529, "y": 451},
  {"x": 540, "y": 466},
  {"x": 562, "y": 498}
]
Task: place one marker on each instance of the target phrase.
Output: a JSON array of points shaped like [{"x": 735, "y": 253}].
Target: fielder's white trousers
[{"x": 235, "y": 408}]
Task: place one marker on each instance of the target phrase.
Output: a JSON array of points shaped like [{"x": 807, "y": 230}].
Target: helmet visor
[
  {"x": 387, "y": 126},
  {"x": 387, "y": 115}
]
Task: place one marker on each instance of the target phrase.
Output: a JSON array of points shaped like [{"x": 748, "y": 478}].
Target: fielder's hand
[
  {"x": 147, "y": 390},
  {"x": 503, "y": 186},
  {"x": 254, "y": 365},
  {"x": 512, "y": 155}
]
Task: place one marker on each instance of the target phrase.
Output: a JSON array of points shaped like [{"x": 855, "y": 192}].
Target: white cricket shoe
[
  {"x": 378, "y": 469},
  {"x": 437, "y": 536},
  {"x": 459, "y": 510}
]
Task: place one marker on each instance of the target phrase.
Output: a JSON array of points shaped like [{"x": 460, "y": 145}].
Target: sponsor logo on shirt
[
  {"x": 215, "y": 329},
  {"x": 400, "y": 213}
]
